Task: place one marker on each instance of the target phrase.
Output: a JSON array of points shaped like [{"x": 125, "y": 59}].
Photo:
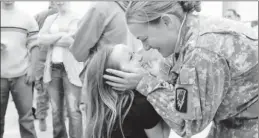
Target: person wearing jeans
[
  {"x": 61, "y": 72},
  {"x": 71, "y": 94},
  {"x": 18, "y": 53},
  {"x": 42, "y": 97}
]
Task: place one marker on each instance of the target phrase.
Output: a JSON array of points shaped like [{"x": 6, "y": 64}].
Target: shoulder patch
[{"x": 181, "y": 100}]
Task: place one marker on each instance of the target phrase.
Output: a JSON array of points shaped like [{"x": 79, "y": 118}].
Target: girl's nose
[{"x": 146, "y": 47}]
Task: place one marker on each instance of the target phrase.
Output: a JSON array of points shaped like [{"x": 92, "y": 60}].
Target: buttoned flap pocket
[{"x": 187, "y": 97}]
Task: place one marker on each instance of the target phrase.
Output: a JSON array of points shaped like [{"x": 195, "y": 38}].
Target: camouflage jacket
[{"x": 213, "y": 79}]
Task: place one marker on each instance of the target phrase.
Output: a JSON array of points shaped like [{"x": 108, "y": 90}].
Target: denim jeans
[
  {"x": 60, "y": 89},
  {"x": 42, "y": 100},
  {"x": 22, "y": 97}
]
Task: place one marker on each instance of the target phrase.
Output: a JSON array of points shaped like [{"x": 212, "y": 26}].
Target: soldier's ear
[{"x": 170, "y": 21}]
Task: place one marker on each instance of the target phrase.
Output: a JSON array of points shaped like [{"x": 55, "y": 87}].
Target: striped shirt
[{"x": 19, "y": 35}]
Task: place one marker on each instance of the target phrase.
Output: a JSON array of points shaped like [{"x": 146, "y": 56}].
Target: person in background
[
  {"x": 215, "y": 74},
  {"x": 43, "y": 98},
  {"x": 254, "y": 25},
  {"x": 18, "y": 60},
  {"x": 103, "y": 24},
  {"x": 61, "y": 73},
  {"x": 232, "y": 14}
]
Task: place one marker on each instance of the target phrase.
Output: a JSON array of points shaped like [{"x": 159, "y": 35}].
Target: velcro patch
[
  {"x": 187, "y": 75},
  {"x": 165, "y": 67},
  {"x": 181, "y": 100}
]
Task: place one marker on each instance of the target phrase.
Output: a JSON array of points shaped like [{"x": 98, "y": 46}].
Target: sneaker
[{"x": 42, "y": 125}]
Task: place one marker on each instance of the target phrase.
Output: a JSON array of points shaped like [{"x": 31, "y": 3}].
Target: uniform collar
[{"x": 189, "y": 39}]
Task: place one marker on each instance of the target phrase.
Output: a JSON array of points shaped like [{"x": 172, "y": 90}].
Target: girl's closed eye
[{"x": 131, "y": 55}]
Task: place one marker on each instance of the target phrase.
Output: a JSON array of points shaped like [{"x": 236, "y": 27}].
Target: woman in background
[{"x": 62, "y": 70}]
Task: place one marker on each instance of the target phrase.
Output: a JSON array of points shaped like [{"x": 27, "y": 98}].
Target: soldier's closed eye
[{"x": 142, "y": 38}]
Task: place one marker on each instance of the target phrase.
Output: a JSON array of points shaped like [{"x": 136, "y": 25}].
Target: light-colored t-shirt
[{"x": 19, "y": 35}]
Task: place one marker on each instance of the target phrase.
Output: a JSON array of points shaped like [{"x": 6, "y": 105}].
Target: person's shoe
[{"x": 42, "y": 125}]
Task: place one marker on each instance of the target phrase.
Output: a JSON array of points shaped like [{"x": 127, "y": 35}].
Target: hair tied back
[{"x": 190, "y": 6}]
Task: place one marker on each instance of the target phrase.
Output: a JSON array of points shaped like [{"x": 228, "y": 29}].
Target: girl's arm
[{"x": 158, "y": 131}]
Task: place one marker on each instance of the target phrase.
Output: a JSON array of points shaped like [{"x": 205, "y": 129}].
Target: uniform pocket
[{"x": 187, "y": 96}]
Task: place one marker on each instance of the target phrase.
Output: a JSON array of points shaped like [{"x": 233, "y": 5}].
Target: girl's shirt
[{"x": 140, "y": 116}]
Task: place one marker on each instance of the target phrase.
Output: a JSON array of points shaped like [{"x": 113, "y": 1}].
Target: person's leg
[
  {"x": 4, "y": 101},
  {"x": 65, "y": 110},
  {"x": 72, "y": 94},
  {"x": 33, "y": 108},
  {"x": 42, "y": 102},
  {"x": 56, "y": 96},
  {"x": 22, "y": 96},
  {"x": 42, "y": 105}
]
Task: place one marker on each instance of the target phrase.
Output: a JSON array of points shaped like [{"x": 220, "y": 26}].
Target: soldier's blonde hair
[{"x": 148, "y": 11}]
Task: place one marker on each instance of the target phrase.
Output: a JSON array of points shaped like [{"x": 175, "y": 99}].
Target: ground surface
[{"x": 12, "y": 128}]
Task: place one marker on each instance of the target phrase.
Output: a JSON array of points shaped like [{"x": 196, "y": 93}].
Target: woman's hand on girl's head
[{"x": 124, "y": 80}]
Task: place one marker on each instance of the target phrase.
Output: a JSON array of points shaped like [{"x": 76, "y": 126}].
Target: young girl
[{"x": 117, "y": 114}]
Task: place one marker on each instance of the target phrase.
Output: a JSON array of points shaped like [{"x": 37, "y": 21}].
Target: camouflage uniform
[{"x": 213, "y": 79}]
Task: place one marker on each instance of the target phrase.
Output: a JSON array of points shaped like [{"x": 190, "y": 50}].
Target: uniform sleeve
[
  {"x": 90, "y": 30},
  {"x": 191, "y": 104},
  {"x": 159, "y": 76},
  {"x": 33, "y": 31}
]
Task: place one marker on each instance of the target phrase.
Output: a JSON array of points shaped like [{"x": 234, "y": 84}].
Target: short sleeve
[
  {"x": 147, "y": 116},
  {"x": 33, "y": 30},
  {"x": 89, "y": 31}
]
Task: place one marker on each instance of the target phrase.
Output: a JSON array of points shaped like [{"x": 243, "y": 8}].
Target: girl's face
[
  {"x": 125, "y": 57},
  {"x": 161, "y": 36}
]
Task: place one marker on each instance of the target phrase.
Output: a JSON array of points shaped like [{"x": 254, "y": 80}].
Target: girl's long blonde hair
[{"x": 105, "y": 106}]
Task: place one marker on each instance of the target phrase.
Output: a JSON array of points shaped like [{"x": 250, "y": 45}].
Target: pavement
[{"x": 12, "y": 126}]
